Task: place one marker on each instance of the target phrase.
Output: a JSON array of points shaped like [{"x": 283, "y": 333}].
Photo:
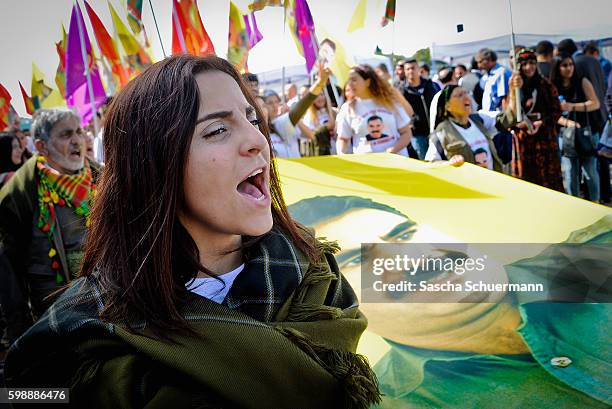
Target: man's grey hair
[
  {"x": 487, "y": 54},
  {"x": 46, "y": 119}
]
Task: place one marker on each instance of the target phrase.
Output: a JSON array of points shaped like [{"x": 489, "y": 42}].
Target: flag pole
[
  {"x": 157, "y": 28},
  {"x": 87, "y": 71},
  {"x": 393, "y": 47},
  {"x": 517, "y": 92},
  {"x": 179, "y": 29}
]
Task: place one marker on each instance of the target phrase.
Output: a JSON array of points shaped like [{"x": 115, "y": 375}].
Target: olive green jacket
[
  {"x": 18, "y": 203},
  {"x": 284, "y": 337}
]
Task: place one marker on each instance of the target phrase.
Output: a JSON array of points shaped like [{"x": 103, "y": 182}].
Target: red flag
[
  {"x": 189, "y": 35},
  {"x": 5, "y": 107},
  {"x": 27, "y": 101},
  {"x": 192, "y": 13},
  {"x": 179, "y": 44},
  {"x": 107, "y": 46}
]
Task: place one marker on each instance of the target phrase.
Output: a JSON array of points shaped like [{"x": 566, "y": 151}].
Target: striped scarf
[{"x": 56, "y": 189}]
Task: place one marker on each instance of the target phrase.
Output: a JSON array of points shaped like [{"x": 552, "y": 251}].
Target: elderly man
[{"x": 44, "y": 214}]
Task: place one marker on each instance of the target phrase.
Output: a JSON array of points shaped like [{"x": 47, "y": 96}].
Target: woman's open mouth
[{"x": 254, "y": 186}]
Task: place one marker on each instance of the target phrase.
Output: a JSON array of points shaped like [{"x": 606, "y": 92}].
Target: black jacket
[{"x": 420, "y": 99}]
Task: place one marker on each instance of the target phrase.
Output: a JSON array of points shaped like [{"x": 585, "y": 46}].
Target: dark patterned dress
[{"x": 535, "y": 158}]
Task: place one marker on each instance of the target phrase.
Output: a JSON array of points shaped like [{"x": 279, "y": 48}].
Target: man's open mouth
[{"x": 254, "y": 185}]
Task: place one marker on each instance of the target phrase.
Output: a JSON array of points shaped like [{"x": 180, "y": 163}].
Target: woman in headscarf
[
  {"x": 197, "y": 287},
  {"x": 463, "y": 136},
  {"x": 535, "y": 155}
]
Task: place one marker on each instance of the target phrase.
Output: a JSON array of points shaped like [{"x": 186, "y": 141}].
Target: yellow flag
[
  {"x": 358, "y": 19},
  {"x": 44, "y": 96},
  {"x": 39, "y": 89},
  {"x": 238, "y": 43},
  {"x": 128, "y": 41},
  {"x": 341, "y": 61}
]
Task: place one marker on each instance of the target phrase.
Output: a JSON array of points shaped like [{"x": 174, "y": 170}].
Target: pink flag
[
  {"x": 253, "y": 32},
  {"x": 303, "y": 30},
  {"x": 77, "y": 92}
]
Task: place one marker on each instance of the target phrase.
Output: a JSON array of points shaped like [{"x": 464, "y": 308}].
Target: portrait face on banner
[
  {"x": 353, "y": 221},
  {"x": 327, "y": 52},
  {"x": 446, "y": 324}
]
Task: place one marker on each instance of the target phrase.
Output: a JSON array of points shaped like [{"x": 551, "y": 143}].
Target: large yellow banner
[
  {"x": 388, "y": 198},
  {"x": 468, "y": 203}
]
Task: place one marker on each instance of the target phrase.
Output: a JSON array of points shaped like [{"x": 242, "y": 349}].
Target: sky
[{"x": 29, "y": 28}]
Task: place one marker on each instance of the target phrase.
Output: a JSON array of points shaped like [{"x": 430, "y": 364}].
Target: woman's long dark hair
[
  {"x": 137, "y": 246},
  {"x": 555, "y": 73},
  {"x": 6, "y": 152}
]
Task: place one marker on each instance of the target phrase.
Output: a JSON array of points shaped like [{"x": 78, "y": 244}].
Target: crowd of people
[
  {"x": 545, "y": 121},
  {"x": 466, "y": 115}
]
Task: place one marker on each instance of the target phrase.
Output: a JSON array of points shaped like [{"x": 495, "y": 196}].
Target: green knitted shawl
[{"x": 302, "y": 357}]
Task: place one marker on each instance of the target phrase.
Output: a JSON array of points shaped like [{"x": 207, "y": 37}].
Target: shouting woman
[{"x": 197, "y": 288}]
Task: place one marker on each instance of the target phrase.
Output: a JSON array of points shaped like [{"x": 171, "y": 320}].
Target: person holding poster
[{"x": 375, "y": 120}]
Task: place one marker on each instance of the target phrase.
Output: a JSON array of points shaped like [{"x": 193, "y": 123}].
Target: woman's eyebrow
[
  {"x": 225, "y": 114},
  {"x": 215, "y": 115}
]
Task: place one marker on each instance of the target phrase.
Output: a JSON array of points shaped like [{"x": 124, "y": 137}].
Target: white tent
[
  {"x": 419, "y": 25},
  {"x": 463, "y": 52}
]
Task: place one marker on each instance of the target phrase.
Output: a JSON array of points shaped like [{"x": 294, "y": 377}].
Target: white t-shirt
[
  {"x": 370, "y": 126},
  {"x": 322, "y": 116},
  {"x": 212, "y": 288},
  {"x": 478, "y": 142},
  {"x": 285, "y": 140}
]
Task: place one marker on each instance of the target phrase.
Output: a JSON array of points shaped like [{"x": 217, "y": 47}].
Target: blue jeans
[
  {"x": 572, "y": 172},
  {"x": 420, "y": 143}
]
